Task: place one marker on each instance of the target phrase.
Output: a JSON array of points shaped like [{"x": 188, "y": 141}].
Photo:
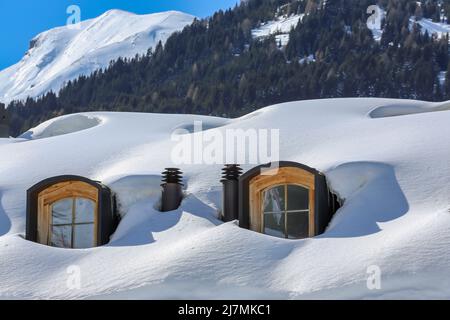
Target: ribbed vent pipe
[
  {"x": 172, "y": 193},
  {"x": 230, "y": 194}
]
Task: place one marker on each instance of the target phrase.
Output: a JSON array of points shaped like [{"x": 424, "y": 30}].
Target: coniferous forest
[{"x": 216, "y": 67}]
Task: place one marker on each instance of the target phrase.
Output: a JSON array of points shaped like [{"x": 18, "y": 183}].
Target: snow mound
[
  {"x": 439, "y": 29},
  {"x": 144, "y": 224},
  {"x": 188, "y": 128},
  {"x": 366, "y": 187},
  {"x": 133, "y": 189},
  {"x": 307, "y": 59},
  {"x": 402, "y": 109},
  {"x": 193, "y": 290},
  {"x": 62, "y": 54},
  {"x": 393, "y": 173},
  {"x": 63, "y": 125}
]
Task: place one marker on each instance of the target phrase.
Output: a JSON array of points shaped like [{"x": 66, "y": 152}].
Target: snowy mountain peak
[
  {"x": 116, "y": 12},
  {"x": 62, "y": 54}
]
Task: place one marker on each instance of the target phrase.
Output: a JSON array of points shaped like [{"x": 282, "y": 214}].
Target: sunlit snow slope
[
  {"x": 62, "y": 54},
  {"x": 279, "y": 27},
  {"x": 438, "y": 29},
  {"x": 391, "y": 167}
]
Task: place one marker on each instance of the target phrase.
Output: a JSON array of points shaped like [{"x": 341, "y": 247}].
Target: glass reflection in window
[
  {"x": 73, "y": 223},
  {"x": 286, "y": 211}
]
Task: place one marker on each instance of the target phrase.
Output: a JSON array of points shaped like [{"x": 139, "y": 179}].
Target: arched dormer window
[
  {"x": 291, "y": 201},
  {"x": 70, "y": 212},
  {"x": 68, "y": 215}
]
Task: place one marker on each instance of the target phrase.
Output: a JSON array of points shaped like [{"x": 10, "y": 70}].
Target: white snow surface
[
  {"x": 62, "y": 125},
  {"x": 400, "y": 109},
  {"x": 280, "y": 27},
  {"x": 439, "y": 29},
  {"x": 392, "y": 172},
  {"x": 64, "y": 53}
]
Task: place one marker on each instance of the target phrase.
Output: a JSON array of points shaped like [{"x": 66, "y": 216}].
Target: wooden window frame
[
  {"x": 274, "y": 177},
  {"x": 64, "y": 190}
]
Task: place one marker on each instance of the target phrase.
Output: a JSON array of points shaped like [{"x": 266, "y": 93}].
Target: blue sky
[{"x": 21, "y": 20}]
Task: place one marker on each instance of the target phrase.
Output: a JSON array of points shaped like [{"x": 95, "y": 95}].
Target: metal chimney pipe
[
  {"x": 172, "y": 193},
  {"x": 230, "y": 194},
  {"x": 4, "y": 122}
]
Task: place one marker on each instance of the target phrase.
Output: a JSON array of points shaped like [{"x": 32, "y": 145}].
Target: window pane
[
  {"x": 61, "y": 236},
  {"x": 298, "y": 225},
  {"x": 274, "y": 199},
  {"x": 84, "y": 210},
  {"x": 83, "y": 236},
  {"x": 62, "y": 211},
  {"x": 274, "y": 224},
  {"x": 298, "y": 198}
]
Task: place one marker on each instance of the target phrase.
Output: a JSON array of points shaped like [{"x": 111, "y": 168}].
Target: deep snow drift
[
  {"x": 439, "y": 29},
  {"x": 64, "y": 125},
  {"x": 62, "y": 54},
  {"x": 375, "y": 21},
  {"x": 400, "y": 109},
  {"x": 392, "y": 172}
]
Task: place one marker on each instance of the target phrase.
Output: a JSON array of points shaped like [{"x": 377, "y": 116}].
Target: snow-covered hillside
[
  {"x": 62, "y": 54},
  {"x": 439, "y": 29},
  {"x": 280, "y": 27},
  {"x": 389, "y": 160}
]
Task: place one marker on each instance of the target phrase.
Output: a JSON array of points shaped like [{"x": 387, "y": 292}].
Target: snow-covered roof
[{"x": 389, "y": 160}]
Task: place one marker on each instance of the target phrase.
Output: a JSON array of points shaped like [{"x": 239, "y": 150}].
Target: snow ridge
[{"x": 62, "y": 54}]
